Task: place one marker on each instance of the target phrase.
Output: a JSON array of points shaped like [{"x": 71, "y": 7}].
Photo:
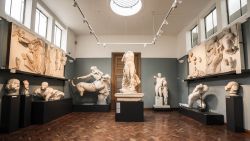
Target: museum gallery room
[{"x": 124, "y": 70}]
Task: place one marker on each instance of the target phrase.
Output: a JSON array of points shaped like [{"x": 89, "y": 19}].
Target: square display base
[
  {"x": 129, "y": 111},
  {"x": 25, "y": 110}
]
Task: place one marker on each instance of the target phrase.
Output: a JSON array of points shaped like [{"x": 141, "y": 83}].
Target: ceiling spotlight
[{"x": 74, "y": 3}]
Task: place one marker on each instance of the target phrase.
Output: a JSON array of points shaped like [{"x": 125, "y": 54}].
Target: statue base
[
  {"x": 129, "y": 96},
  {"x": 161, "y": 106}
]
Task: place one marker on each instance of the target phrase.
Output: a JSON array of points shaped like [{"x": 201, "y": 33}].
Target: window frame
[
  {"x": 23, "y": 12},
  {"x": 47, "y": 23},
  {"x": 191, "y": 32},
  {"x": 240, "y": 10},
  {"x": 214, "y": 29},
  {"x": 54, "y": 41}
]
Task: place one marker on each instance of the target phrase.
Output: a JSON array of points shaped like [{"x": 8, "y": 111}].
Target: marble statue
[
  {"x": 25, "y": 88},
  {"x": 161, "y": 91},
  {"x": 48, "y": 93},
  {"x": 13, "y": 87},
  {"x": 196, "y": 96},
  {"x": 232, "y": 88},
  {"x": 130, "y": 80},
  {"x": 101, "y": 85}
]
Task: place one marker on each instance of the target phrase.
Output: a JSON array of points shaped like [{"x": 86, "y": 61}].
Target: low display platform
[
  {"x": 162, "y": 109},
  {"x": 10, "y": 113},
  {"x": 129, "y": 111},
  {"x": 45, "y": 111},
  {"x": 207, "y": 118},
  {"x": 92, "y": 108},
  {"x": 25, "y": 110}
]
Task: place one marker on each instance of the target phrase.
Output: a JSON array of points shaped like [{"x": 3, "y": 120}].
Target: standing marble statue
[
  {"x": 232, "y": 88},
  {"x": 101, "y": 84},
  {"x": 130, "y": 80},
  {"x": 13, "y": 87},
  {"x": 48, "y": 93},
  {"x": 25, "y": 88},
  {"x": 161, "y": 92}
]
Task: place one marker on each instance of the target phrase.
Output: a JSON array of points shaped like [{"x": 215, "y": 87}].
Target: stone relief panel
[
  {"x": 220, "y": 54},
  {"x": 31, "y": 54}
]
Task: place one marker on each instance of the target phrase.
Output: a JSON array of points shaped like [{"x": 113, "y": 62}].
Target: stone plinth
[{"x": 129, "y": 96}]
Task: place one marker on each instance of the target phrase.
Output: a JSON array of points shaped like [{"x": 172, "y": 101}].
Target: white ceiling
[{"x": 105, "y": 22}]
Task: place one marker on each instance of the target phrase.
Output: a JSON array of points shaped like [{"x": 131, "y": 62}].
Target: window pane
[
  {"x": 7, "y": 6},
  {"x": 41, "y": 23},
  {"x": 194, "y": 36},
  {"x": 243, "y": 3},
  {"x": 15, "y": 8},
  {"x": 57, "y": 36},
  {"x": 209, "y": 22},
  {"x": 233, "y": 6},
  {"x": 215, "y": 17}
]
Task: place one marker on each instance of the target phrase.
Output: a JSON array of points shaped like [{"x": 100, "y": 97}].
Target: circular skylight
[{"x": 126, "y": 7}]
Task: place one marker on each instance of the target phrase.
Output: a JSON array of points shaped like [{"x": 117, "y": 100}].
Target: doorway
[{"x": 117, "y": 73}]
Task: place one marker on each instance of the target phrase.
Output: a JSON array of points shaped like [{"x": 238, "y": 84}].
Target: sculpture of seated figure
[
  {"x": 161, "y": 90},
  {"x": 129, "y": 80},
  {"x": 232, "y": 88},
  {"x": 13, "y": 87},
  {"x": 101, "y": 84},
  {"x": 48, "y": 93}
]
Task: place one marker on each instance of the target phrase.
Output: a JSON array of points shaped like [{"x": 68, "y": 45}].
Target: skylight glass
[{"x": 126, "y": 7}]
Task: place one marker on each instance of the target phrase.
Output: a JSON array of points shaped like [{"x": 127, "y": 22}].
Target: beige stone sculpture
[
  {"x": 13, "y": 87},
  {"x": 29, "y": 53},
  {"x": 219, "y": 54},
  {"x": 25, "y": 88},
  {"x": 130, "y": 79},
  {"x": 232, "y": 88},
  {"x": 48, "y": 93},
  {"x": 101, "y": 85}
]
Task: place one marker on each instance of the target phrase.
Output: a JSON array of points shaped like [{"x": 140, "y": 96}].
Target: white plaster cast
[
  {"x": 130, "y": 80},
  {"x": 161, "y": 91},
  {"x": 196, "y": 96},
  {"x": 100, "y": 85},
  {"x": 13, "y": 87},
  {"x": 232, "y": 88},
  {"x": 48, "y": 93}
]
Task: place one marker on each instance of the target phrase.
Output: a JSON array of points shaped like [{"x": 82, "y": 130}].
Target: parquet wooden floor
[{"x": 158, "y": 126}]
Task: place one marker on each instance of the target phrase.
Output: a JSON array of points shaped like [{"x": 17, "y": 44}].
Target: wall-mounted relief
[
  {"x": 28, "y": 53},
  {"x": 222, "y": 53}
]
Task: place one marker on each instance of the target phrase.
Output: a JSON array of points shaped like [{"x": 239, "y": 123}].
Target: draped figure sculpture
[
  {"x": 197, "y": 96},
  {"x": 130, "y": 80},
  {"x": 101, "y": 84}
]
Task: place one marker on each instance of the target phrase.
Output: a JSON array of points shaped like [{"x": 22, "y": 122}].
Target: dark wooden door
[{"x": 117, "y": 73}]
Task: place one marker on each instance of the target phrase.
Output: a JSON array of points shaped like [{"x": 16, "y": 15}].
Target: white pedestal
[
  {"x": 159, "y": 103},
  {"x": 129, "y": 96}
]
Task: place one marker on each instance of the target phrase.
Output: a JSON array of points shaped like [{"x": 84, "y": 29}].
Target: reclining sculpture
[{"x": 48, "y": 93}]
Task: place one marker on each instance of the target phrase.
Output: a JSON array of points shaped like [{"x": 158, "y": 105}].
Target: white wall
[
  {"x": 183, "y": 38},
  {"x": 87, "y": 47}
]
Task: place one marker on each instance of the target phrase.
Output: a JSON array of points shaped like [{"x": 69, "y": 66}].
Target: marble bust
[
  {"x": 13, "y": 87},
  {"x": 232, "y": 88},
  {"x": 48, "y": 93},
  {"x": 25, "y": 88},
  {"x": 129, "y": 80}
]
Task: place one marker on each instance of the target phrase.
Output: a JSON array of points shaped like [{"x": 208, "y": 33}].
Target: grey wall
[{"x": 149, "y": 68}]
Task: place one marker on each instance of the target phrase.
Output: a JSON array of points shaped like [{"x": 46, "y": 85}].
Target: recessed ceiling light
[{"x": 126, "y": 7}]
